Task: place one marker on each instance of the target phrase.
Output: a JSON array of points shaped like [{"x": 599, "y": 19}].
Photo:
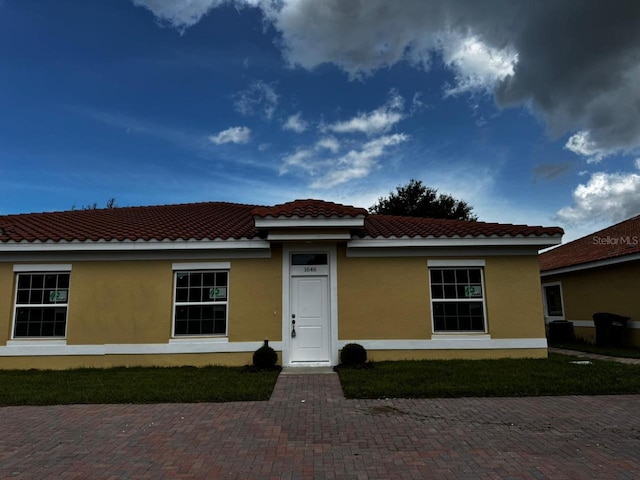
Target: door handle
[{"x": 293, "y": 327}]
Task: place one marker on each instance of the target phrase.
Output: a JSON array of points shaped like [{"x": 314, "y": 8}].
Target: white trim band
[
  {"x": 481, "y": 342},
  {"x": 48, "y": 267},
  {"x": 456, "y": 263},
  {"x": 47, "y": 348},
  {"x": 540, "y": 242},
  {"x": 132, "y": 245},
  {"x": 202, "y": 266}
]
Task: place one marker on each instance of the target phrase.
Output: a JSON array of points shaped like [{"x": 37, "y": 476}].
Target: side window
[
  {"x": 201, "y": 303},
  {"x": 552, "y": 297},
  {"x": 41, "y": 305},
  {"x": 457, "y": 299}
]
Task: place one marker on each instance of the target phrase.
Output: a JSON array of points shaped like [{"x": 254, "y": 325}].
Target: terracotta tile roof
[
  {"x": 197, "y": 221},
  {"x": 615, "y": 241},
  {"x": 223, "y": 221},
  {"x": 309, "y": 208},
  {"x": 389, "y": 226}
]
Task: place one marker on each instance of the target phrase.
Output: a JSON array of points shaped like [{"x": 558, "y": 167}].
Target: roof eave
[
  {"x": 589, "y": 265},
  {"x": 131, "y": 245},
  {"x": 539, "y": 242}
]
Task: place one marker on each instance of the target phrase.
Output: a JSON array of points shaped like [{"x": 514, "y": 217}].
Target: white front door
[{"x": 310, "y": 332}]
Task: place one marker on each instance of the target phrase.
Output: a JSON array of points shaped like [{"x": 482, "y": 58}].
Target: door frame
[{"x": 287, "y": 250}]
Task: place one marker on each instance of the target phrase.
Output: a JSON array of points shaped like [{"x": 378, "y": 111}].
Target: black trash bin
[
  {"x": 560, "y": 331},
  {"x": 611, "y": 329}
]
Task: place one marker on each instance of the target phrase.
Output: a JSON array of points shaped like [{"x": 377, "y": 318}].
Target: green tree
[
  {"x": 111, "y": 203},
  {"x": 417, "y": 200}
]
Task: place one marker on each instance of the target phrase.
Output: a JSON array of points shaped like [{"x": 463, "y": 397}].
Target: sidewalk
[{"x": 595, "y": 356}]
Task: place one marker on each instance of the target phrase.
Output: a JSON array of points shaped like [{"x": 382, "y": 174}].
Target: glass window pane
[
  {"x": 449, "y": 276},
  {"x": 24, "y": 281},
  {"x": 309, "y": 259},
  {"x": 436, "y": 276},
  {"x": 195, "y": 279},
  {"x": 462, "y": 276},
  {"x": 436, "y": 291},
  {"x": 36, "y": 297},
  {"x": 474, "y": 275},
  {"x": 221, "y": 279},
  {"x": 208, "y": 279},
  {"x": 50, "y": 281},
  {"x": 182, "y": 280},
  {"x": 63, "y": 281},
  {"x": 37, "y": 280},
  {"x": 554, "y": 300},
  {"x": 449, "y": 291}
]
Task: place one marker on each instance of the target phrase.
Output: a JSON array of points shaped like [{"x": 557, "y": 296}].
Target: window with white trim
[
  {"x": 201, "y": 303},
  {"x": 553, "y": 305},
  {"x": 457, "y": 299},
  {"x": 41, "y": 305}
]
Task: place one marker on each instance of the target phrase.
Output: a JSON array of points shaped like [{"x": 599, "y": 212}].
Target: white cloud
[
  {"x": 606, "y": 196},
  {"x": 638, "y": 163},
  {"x": 179, "y": 14},
  {"x": 260, "y": 97},
  {"x": 477, "y": 66},
  {"x": 329, "y": 171},
  {"x": 330, "y": 143},
  {"x": 358, "y": 163},
  {"x": 232, "y": 135},
  {"x": 295, "y": 123},
  {"x": 378, "y": 121},
  {"x": 581, "y": 144}
]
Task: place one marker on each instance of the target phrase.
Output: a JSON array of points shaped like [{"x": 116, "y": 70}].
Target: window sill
[
  {"x": 36, "y": 342},
  {"x": 199, "y": 340}
]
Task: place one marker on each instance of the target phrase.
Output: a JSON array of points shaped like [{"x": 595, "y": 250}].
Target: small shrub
[
  {"x": 353, "y": 355},
  {"x": 265, "y": 357}
]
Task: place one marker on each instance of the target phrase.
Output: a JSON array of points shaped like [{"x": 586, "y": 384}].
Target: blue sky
[{"x": 530, "y": 114}]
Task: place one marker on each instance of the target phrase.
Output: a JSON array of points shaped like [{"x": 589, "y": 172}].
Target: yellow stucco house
[
  {"x": 207, "y": 283},
  {"x": 596, "y": 273}
]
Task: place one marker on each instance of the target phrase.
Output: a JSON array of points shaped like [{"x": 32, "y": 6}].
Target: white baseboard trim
[
  {"x": 34, "y": 349},
  {"x": 449, "y": 343}
]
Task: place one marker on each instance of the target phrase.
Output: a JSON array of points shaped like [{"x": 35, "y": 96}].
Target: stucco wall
[
  {"x": 607, "y": 289},
  {"x": 129, "y": 302},
  {"x": 389, "y": 298}
]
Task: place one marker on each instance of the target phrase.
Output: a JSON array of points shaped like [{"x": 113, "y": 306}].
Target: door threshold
[{"x": 307, "y": 370}]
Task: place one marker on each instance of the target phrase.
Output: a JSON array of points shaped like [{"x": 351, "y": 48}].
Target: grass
[
  {"x": 490, "y": 378},
  {"x": 625, "y": 352},
  {"x": 134, "y": 385}
]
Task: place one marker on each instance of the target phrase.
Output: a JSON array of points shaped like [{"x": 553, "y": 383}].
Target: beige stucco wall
[
  {"x": 607, "y": 289},
  {"x": 6, "y": 301},
  {"x": 131, "y": 302},
  {"x": 389, "y": 298}
]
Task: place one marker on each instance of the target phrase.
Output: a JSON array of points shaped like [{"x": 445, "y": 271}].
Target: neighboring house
[
  {"x": 596, "y": 273},
  {"x": 206, "y": 283}
]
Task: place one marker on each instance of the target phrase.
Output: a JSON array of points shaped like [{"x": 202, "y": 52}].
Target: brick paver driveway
[{"x": 308, "y": 430}]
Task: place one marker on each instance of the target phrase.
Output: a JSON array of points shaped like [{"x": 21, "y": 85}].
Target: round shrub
[
  {"x": 353, "y": 354},
  {"x": 265, "y": 357}
]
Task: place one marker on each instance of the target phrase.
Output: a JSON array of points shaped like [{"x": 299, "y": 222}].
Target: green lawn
[
  {"x": 134, "y": 385},
  {"x": 490, "y": 378}
]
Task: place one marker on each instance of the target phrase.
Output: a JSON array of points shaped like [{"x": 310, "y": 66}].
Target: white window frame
[
  {"x": 200, "y": 267},
  {"x": 40, "y": 269},
  {"x": 458, "y": 265},
  {"x": 548, "y": 317}
]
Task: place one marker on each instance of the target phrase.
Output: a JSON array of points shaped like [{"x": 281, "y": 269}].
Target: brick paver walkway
[{"x": 309, "y": 431}]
